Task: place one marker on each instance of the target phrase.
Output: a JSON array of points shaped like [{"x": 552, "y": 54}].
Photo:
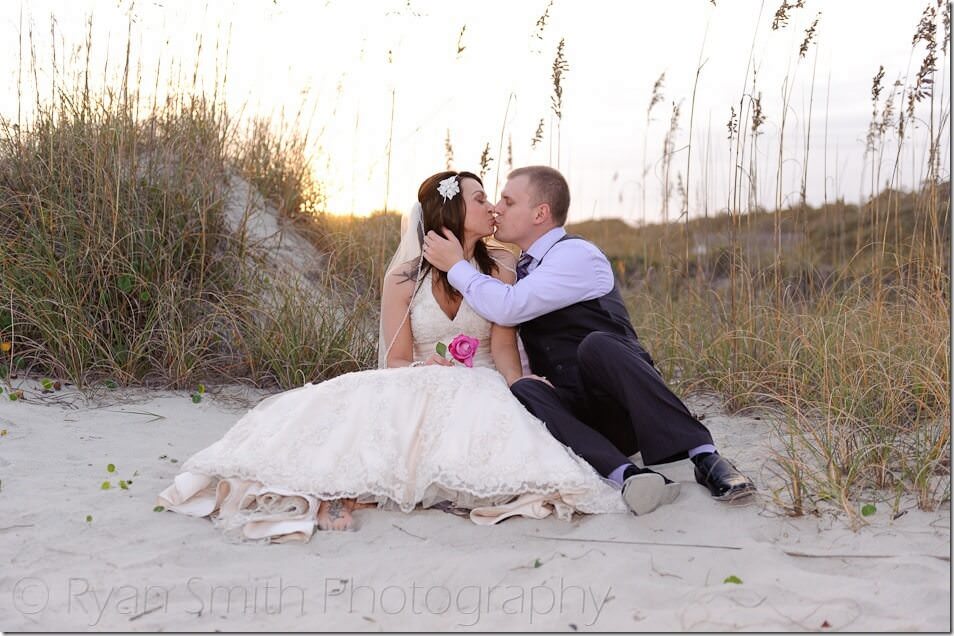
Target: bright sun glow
[{"x": 381, "y": 88}]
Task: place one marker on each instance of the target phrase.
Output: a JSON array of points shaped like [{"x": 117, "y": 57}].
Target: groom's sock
[
  {"x": 701, "y": 452},
  {"x": 625, "y": 471}
]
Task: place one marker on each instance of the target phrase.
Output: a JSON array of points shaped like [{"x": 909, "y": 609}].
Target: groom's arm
[{"x": 572, "y": 272}]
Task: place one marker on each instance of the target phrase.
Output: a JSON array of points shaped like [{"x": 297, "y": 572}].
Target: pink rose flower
[{"x": 463, "y": 349}]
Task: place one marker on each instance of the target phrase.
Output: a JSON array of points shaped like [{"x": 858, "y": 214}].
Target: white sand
[
  {"x": 284, "y": 252},
  {"x": 133, "y": 569}
]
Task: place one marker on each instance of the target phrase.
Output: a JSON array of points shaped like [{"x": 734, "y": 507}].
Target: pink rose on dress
[{"x": 463, "y": 348}]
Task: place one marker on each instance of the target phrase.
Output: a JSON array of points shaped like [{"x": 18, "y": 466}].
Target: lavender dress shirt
[{"x": 573, "y": 271}]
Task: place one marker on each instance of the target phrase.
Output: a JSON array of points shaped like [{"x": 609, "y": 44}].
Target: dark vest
[{"x": 551, "y": 340}]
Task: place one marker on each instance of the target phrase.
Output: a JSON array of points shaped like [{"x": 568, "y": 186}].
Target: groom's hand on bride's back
[
  {"x": 442, "y": 250},
  {"x": 531, "y": 376}
]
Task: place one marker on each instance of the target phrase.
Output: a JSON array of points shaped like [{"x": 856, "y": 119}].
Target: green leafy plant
[{"x": 125, "y": 283}]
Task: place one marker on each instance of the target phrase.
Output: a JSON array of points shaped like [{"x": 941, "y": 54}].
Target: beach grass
[{"x": 119, "y": 268}]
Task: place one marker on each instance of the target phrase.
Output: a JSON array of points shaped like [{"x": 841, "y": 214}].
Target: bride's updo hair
[{"x": 450, "y": 214}]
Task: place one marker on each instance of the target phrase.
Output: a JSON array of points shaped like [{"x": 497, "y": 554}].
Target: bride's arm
[
  {"x": 396, "y": 296},
  {"x": 503, "y": 340},
  {"x": 395, "y": 299}
]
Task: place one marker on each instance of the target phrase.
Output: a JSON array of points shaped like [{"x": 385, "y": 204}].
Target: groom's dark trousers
[{"x": 608, "y": 400}]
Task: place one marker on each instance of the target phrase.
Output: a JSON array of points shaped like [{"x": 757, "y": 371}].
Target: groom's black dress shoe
[{"x": 722, "y": 478}]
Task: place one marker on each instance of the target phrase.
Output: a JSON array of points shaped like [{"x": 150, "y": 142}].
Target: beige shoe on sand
[{"x": 645, "y": 492}]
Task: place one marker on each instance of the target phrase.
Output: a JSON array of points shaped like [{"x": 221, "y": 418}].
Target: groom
[{"x": 593, "y": 384}]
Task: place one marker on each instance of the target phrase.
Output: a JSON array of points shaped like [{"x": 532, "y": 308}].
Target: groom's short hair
[{"x": 548, "y": 186}]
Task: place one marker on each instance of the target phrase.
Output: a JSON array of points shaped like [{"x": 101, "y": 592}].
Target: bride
[{"x": 420, "y": 430}]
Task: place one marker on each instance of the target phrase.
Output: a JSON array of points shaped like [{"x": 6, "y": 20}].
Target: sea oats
[
  {"x": 560, "y": 66},
  {"x": 875, "y": 94},
  {"x": 733, "y": 124},
  {"x": 460, "y": 42},
  {"x": 657, "y": 95},
  {"x": 926, "y": 32},
  {"x": 485, "y": 160},
  {"x": 538, "y": 135},
  {"x": 542, "y": 21},
  {"x": 758, "y": 117},
  {"x": 448, "y": 150},
  {"x": 809, "y": 35},
  {"x": 781, "y": 16}
]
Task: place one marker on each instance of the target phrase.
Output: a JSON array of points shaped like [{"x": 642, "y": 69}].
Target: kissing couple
[{"x": 455, "y": 417}]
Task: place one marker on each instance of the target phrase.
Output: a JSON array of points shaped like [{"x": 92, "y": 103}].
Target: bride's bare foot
[{"x": 335, "y": 514}]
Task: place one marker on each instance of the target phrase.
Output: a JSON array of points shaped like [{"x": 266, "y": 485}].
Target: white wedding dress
[{"x": 397, "y": 437}]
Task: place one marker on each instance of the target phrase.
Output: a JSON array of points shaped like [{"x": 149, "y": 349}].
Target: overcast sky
[{"x": 345, "y": 61}]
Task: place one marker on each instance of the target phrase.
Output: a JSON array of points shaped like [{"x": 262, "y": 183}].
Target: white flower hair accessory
[{"x": 448, "y": 188}]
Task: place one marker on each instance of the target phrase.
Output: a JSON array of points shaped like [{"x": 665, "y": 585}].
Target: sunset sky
[{"x": 341, "y": 64}]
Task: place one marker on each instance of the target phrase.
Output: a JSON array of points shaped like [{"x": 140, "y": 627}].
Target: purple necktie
[{"x": 523, "y": 264}]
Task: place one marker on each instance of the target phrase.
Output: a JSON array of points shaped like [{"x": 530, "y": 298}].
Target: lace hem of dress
[{"x": 248, "y": 510}]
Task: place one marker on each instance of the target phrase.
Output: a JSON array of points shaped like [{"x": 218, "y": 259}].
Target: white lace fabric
[
  {"x": 430, "y": 325},
  {"x": 396, "y": 437}
]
